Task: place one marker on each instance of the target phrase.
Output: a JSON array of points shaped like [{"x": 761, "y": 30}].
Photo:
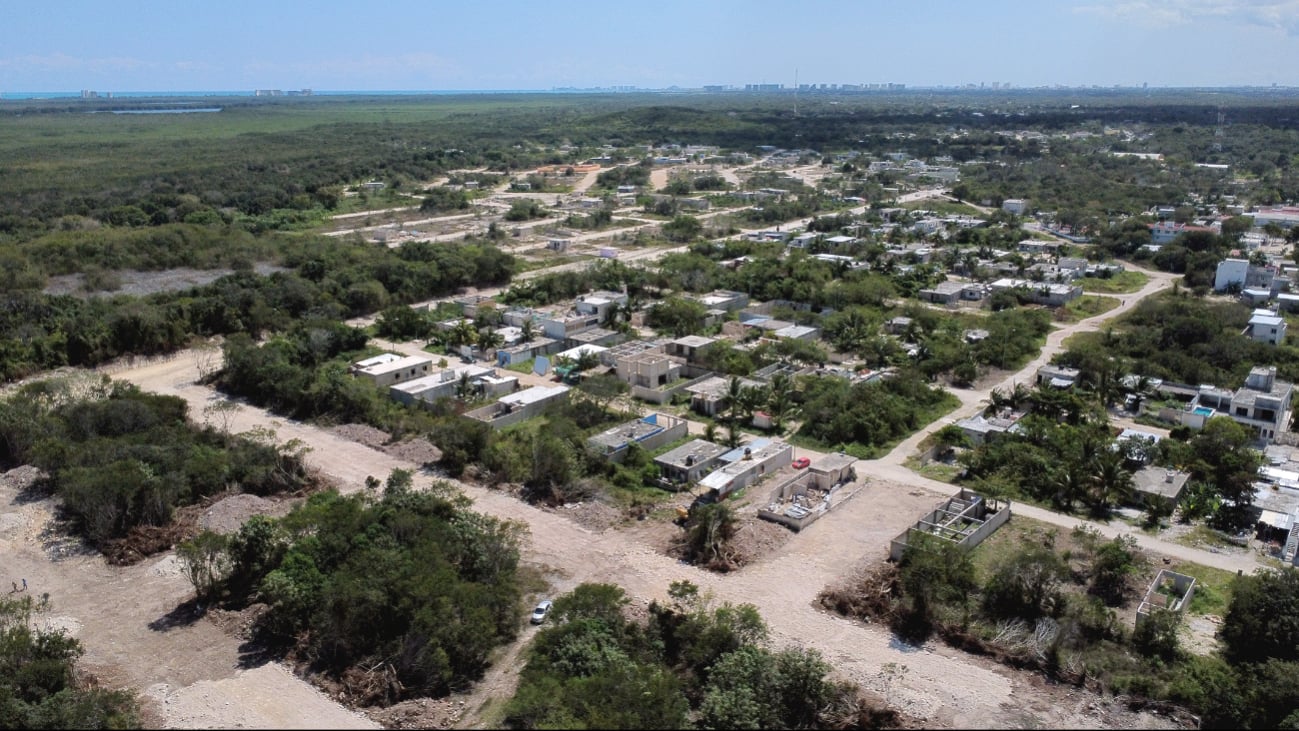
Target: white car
[{"x": 543, "y": 609}]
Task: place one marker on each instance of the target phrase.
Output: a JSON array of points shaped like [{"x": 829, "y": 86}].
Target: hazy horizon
[{"x": 515, "y": 46}]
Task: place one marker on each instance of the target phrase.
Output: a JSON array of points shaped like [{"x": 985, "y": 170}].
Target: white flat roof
[
  {"x": 388, "y": 366},
  {"x": 533, "y": 395},
  {"x": 577, "y": 352},
  {"x": 376, "y": 360}
]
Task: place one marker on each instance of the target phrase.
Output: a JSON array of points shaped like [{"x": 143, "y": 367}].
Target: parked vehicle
[{"x": 542, "y": 611}]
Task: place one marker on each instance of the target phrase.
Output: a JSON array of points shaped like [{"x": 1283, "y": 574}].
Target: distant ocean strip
[{"x": 103, "y": 95}]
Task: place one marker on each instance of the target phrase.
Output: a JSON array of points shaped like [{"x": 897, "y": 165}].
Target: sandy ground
[
  {"x": 189, "y": 672},
  {"x": 658, "y": 179}
]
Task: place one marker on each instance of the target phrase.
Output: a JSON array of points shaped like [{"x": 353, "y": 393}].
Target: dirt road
[
  {"x": 784, "y": 587},
  {"x": 192, "y": 674}
]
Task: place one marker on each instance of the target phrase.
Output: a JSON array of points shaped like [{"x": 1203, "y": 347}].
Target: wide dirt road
[{"x": 945, "y": 688}]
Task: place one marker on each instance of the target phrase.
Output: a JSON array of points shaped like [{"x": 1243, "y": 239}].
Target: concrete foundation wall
[
  {"x": 664, "y": 395},
  {"x": 653, "y": 441},
  {"x": 992, "y": 521},
  {"x": 991, "y": 524},
  {"x": 837, "y": 496}
]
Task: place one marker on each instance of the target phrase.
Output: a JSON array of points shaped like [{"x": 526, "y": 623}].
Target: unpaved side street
[
  {"x": 196, "y": 675},
  {"x": 783, "y": 587}
]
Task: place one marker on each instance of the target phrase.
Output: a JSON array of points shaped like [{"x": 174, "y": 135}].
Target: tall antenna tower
[
  {"x": 795, "y": 91},
  {"x": 1218, "y": 133}
]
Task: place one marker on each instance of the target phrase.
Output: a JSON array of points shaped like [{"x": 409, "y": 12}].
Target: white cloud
[
  {"x": 1280, "y": 15},
  {"x": 64, "y": 62}
]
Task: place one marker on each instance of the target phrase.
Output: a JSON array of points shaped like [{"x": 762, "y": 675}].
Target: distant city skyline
[{"x": 404, "y": 45}]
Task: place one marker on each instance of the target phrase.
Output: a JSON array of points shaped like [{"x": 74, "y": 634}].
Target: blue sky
[{"x": 145, "y": 45}]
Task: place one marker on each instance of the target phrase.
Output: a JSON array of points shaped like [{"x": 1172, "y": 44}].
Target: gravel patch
[
  {"x": 139, "y": 284},
  {"x": 417, "y": 449},
  {"x": 229, "y": 514},
  {"x": 362, "y": 434}
]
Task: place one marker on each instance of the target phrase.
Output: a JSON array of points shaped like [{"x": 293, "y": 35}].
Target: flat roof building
[
  {"x": 390, "y": 368},
  {"x": 689, "y": 462},
  {"x": 650, "y": 432}
]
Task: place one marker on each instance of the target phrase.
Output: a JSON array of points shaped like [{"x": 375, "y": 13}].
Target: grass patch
[
  {"x": 491, "y": 714},
  {"x": 545, "y": 262},
  {"x": 1009, "y": 541},
  {"x": 1212, "y": 587},
  {"x": 1202, "y": 536},
  {"x": 1088, "y": 305},
  {"x": 940, "y": 471},
  {"x": 521, "y": 367},
  {"x": 1121, "y": 283}
]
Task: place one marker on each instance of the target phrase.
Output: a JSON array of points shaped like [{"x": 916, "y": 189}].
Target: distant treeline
[
  {"x": 330, "y": 280},
  {"x": 256, "y": 158}
]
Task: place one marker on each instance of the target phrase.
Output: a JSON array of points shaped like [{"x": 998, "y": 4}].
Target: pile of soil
[
  {"x": 228, "y": 514},
  {"x": 362, "y": 434},
  {"x": 417, "y": 449},
  {"x": 420, "y": 713},
  {"x": 756, "y": 539},
  {"x": 592, "y": 514}
]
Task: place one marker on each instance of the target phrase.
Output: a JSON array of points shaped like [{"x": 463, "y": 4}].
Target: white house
[
  {"x": 1266, "y": 326},
  {"x": 390, "y": 368}
]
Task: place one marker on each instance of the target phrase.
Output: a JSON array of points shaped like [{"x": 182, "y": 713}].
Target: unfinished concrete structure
[
  {"x": 1170, "y": 590},
  {"x": 965, "y": 519},
  {"x": 460, "y": 380},
  {"x": 806, "y": 496},
  {"x": 688, "y": 463},
  {"x": 518, "y": 406},
  {"x": 650, "y": 432}
]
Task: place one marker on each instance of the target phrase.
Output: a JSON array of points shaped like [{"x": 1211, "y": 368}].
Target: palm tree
[
  {"x": 752, "y": 399},
  {"x": 586, "y": 360},
  {"x": 1111, "y": 482},
  {"x": 710, "y": 432},
  {"x": 462, "y": 334},
  {"x": 734, "y": 391},
  {"x": 1019, "y": 394},
  {"x": 780, "y": 401},
  {"x": 489, "y": 339},
  {"x": 997, "y": 400},
  {"x": 1069, "y": 485},
  {"x": 528, "y": 330},
  {"x": 463, "y": 386}
]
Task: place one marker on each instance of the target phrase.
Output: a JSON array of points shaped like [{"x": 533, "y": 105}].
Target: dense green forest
[
  {"x": 693, "y": 664},
  {"x": 145, "y": 170},
  {"x": 1055, "y": 609},
  {"x": 1179, "y": 338},
  {"x": 122, "y": 461},
  {"x": 326, "y": 279},
  {"x": 410, "y": 582},
  {"x": 39, "y": 685}
]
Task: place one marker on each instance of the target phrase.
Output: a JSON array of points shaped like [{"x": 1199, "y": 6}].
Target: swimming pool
[{"x": 1203, "y": 411}]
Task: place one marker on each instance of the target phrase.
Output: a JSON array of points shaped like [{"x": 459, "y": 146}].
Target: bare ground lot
[
  {"x": 139, "y": 284},
  {"x": 196, "y": 675}
]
